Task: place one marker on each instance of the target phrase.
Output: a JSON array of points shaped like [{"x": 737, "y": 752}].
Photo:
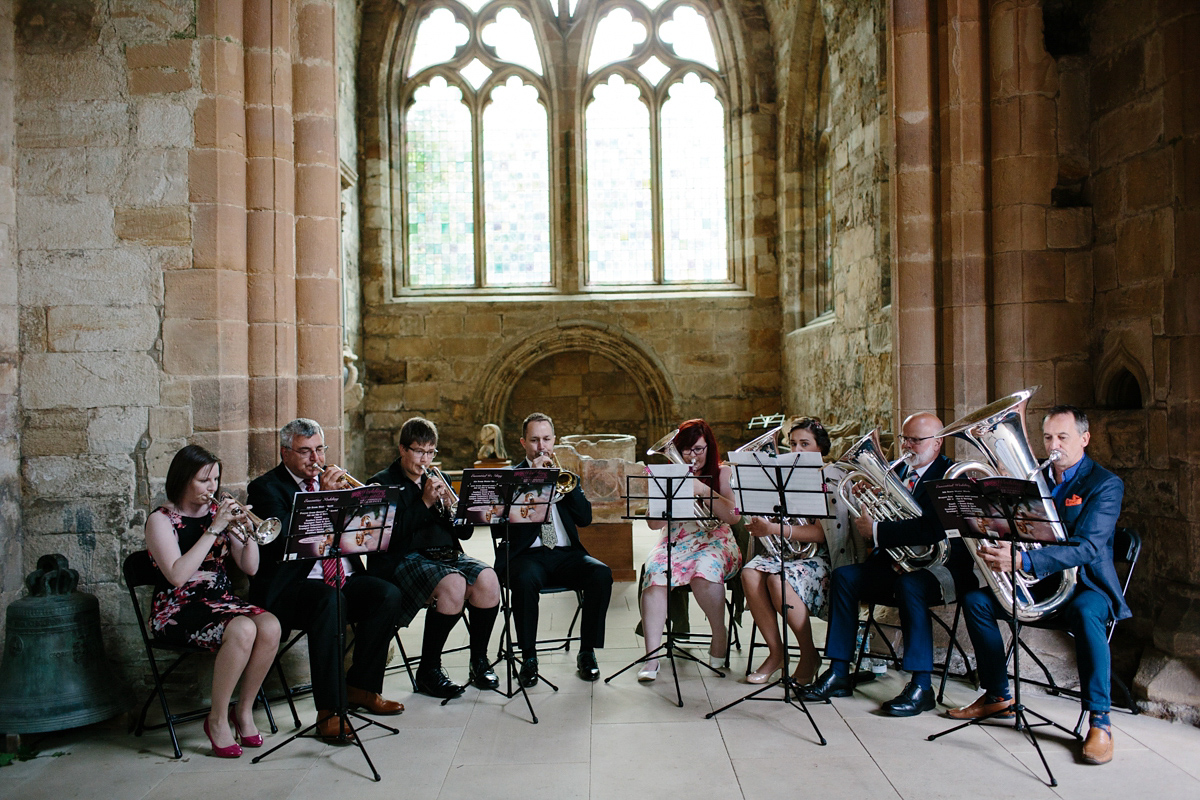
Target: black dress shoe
[
  {"x": 436, "y": 683},
  {"x": 589, "y": 670},
  {"x": 482, "y": 675},
  {"x": 528, "y": 676},
  {"x": 911, "y": 701},
  {"x": 828, "y": 685}
]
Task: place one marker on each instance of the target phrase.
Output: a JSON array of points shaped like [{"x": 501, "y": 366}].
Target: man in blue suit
[
  {"x": 1088, "y": 498},
  {"x": 879, "y": 580}
]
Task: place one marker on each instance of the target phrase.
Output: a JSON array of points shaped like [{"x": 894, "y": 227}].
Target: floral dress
[
  {"x": 808, "y": 577},
  {"x": 713, "y": 555},
  {"x": 197, "y": 612}
]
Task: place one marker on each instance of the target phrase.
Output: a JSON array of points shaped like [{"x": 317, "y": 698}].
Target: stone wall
[
  {"x": 11, "y": 576},
  {"x": 825, "y": 354}
]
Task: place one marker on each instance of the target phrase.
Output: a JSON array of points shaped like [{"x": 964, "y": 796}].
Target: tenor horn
[
  {"x": 998, "y": 431},
  {"x": 885, "y": 498},
  {"x": 766, "y": 442},
  {"x": 666, "y": 447}
]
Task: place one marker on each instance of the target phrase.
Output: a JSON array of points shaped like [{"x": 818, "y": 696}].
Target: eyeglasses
[
  {"x": 306, "y": 452},
  {"x": 430, "y": 453},
  {"x": 915, "y": 439},
  {"x": 695, "y": 449}
]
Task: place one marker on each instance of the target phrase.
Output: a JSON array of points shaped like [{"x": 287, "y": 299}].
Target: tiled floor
[{"x": 625, "y": 739}]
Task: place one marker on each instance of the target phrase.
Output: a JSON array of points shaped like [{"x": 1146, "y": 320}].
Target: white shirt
[{"x": 316, "y": 572}]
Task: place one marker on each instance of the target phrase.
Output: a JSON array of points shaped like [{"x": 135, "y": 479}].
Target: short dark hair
[
  {"x": 418, "y": 430},
  {"x": 820, "y": 435},
  {"x": 302, "y": 427},
  {"x": 1081, "y": 420},
  {"x": 184, "y": 466},
  {"x": 536, "y": 416}
]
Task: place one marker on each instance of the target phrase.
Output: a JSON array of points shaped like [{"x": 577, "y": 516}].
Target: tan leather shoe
[
  {"x": 1098, "y": 746},
  {"x": 372, "y": 701},
  {"x": 329, "y": 728},
  {"x": 981, "y": 709}
]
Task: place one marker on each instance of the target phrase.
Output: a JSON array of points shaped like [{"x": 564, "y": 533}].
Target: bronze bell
[{"x": 55, "y": 674}]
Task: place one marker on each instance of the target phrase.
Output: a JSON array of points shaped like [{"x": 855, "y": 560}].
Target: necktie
[
  {"x": 310, "y": 485},
  {"x": 549, "y": 537},
  {"x": 331, "y": 569},
  {"x": 913, "y": 477}
]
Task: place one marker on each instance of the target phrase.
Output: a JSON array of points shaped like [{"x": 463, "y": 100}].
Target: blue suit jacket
[{"x": 1088, "y": 506}]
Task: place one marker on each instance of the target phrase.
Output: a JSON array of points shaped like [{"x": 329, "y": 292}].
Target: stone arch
[
  {"x": 496, "y": 385},
  {"x": 1121, "y": 380}
]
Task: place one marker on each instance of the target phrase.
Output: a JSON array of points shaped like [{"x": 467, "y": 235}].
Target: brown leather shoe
[
  {"x": 1098, "y": 746},
  {"x": 329, "y": 728},
  {"x": 981, "y": 709},
  {"x": 373, "y": 702}
]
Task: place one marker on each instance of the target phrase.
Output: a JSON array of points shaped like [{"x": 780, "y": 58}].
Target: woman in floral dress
[
  {"x": 807, "y": 578},
  {"x": 702, "y": 559},
  {"x": 189, "y": 539}
]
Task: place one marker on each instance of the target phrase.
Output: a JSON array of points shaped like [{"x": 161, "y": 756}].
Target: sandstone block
[
  {"x": 116, "y": 429},
  {"x": 136, "y": 20},
  {"x": 54, "y": 172},
  {"x": 88, "y": 380},
  {"x": 88, "y": 277},
  {"x": 1133, "y": 128},
  {"x": 99, "y": 328},
  {"x": 1144, "y": 245},
  {"x": 83, "y": 124},
  {"x": 220, "y": 404},
  {"x": 158, "y": 81},
  {"x": 155, "y": 226},
  {"x": 1068, "y": 228},
  {"x": 75, "y": 223},
  {"x": 154, "y": 178},
  {"x": 170, "y": 423},
  {"x": 79, "y": 76},
  {"x": 90, "y": 476},
  {"x": 1055, "y": 330}
]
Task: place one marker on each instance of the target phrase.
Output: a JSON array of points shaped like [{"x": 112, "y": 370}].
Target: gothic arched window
[{"x": 492, "y": 99}]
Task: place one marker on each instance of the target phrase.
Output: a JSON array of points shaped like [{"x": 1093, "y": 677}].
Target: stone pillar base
[{"x": 1167, "y": 686}]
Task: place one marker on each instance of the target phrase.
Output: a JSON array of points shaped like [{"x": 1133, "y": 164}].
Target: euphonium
[
  {"x": 885, "y": 498},
  {"x": 998, "y": 431},
  {"x": 666, "y": 447},
  {"x": 767, "y": 443},
  {"x": 262, "y": 531}
]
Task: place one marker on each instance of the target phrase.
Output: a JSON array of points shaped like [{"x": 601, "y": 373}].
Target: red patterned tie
[
  {"x": 331, "y": 568},
  {"x": 310, "y": 485}
]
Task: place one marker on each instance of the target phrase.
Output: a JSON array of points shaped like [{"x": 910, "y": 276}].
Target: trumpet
[
  {"x": 262, "y": 531},
  {"x": 567, "y": 480},
  {"x": 348, "y": 481},
  {"x": 433, "y": 472}
]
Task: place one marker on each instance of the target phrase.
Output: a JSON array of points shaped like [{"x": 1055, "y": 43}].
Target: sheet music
[
  {"x": 756, "y": 478},
  {"x": 683, "y": 491}
]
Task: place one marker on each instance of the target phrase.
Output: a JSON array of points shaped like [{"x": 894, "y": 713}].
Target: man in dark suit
[
  {"x": 302, "y": 594},
  {"x": 879, "y": 580},
  {"x": 427, "y": 563},
  {"x": 551, "y": 554},
  {"x": 1088, "y": 499}
]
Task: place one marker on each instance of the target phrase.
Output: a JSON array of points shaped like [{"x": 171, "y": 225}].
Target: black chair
[
  {"x": 892, "y": 657},
  {"x": 547, "y": 645},
  {"x": 1127, "y": 548},
  {"x": 139, "y": 571}
]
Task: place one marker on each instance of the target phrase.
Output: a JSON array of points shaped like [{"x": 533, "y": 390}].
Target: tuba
[
  {"x": 790, "y": 551},
  {"x": 666, "y": 447},
  {"x": 998, "y": 431},
  {"x": 885, "y": 498}
]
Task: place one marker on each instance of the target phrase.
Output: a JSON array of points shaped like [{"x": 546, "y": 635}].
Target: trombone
[{"x": 262, "y": 531}]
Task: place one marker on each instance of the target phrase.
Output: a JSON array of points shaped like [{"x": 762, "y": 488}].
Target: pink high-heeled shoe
[
  {"x": 232, "y": 751},
  {"x": 246, "y": 741}
]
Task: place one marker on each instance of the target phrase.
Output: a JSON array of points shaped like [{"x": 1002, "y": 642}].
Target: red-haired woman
[{"x": 702, "y": 559}]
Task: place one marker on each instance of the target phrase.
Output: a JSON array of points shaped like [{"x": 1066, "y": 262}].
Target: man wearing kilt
[{"x": 427, "y": 563}]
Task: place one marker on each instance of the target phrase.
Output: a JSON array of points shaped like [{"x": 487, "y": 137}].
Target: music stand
[
  {"x": 964, "y": 503},
  {"x": 666, "y": 501},
  {"x": 321, "y": 515},
  {"x": 777, "y": 487},
  {"x": 499, "y": 488}
]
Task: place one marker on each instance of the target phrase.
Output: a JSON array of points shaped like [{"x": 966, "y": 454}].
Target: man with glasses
[
  {"x": 879, "y": 580},
  {"x": 302, "y": 594},
  {"x": 550, "y": 554},
  {"x": 427, "y": 563}
]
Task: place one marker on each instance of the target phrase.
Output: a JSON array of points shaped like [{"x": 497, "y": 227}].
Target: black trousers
[
  {"x": 568, "y": 567},
  {"x": 310, "y": 605}
]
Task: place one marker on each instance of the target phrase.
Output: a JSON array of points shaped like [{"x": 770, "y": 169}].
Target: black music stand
[
  {"x": 785, "y": 481},
  {"x": 501, "y": 487},
  {"x": 1006, "y": 496},
  {"x": 668, "y": 488},
  {"x": 302, "y": 527}
]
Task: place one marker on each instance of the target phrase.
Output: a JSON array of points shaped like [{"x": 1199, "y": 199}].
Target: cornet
[
  {"x": 348, "y": 481},
  {"x": 262, "y": 531},
  {"x": 433, "y": 472}
]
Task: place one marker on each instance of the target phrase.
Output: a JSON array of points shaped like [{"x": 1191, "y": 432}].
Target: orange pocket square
[{"x": 1074, "y": 500}]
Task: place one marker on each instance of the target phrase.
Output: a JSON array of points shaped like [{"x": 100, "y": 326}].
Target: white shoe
[
  {"x": 706, "y": 657},
  {"x": 648, "y": 673}
]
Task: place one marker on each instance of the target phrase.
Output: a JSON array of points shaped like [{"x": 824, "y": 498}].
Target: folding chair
[
  {"x": 139, "y": 571},
  {"x": 891, "y": 656}
]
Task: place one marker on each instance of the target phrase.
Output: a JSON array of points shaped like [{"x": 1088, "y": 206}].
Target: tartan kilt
[{"x": 417, "y": 577}]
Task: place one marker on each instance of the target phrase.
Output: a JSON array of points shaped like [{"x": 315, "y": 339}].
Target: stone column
[
  {"x": 10, "y": 437},
  {"x": 318, "y": 281},
  {"x": 270, "y": 238},
  {"x": 914, "y": 204}
]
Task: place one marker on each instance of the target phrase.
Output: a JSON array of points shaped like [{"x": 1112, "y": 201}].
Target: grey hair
[
  {"x": 302, "y": 427},
  {"x": 1081, "y": 420}
]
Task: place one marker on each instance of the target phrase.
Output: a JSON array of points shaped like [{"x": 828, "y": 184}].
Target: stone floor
[{"x": 625, "y": 739}]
